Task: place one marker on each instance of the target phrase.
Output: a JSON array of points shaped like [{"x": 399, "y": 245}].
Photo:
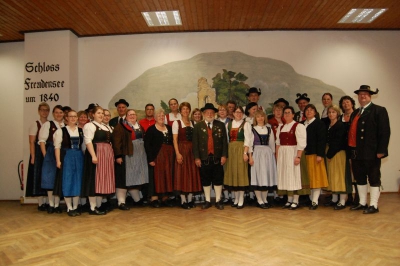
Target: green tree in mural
[
  {"x": 230, "y": 86},
  {"x": 165, "y": 107}
]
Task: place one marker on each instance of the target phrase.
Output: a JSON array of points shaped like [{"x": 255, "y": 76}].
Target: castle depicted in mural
[{"x": 205, "y": 94}]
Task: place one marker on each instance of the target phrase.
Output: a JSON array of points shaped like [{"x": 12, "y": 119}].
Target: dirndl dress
[
  {"x": 187, "y": 175},
  {"x": 69, "y": 177},
  {"x": 99, "y": 178},
  {"x": 136, "y": 165},
  {"x": 263, "y": 171},
  {"x": 163, "y": 170},
  {"x": 34, "y": 177},
  {"x": 236, "y": 171}
]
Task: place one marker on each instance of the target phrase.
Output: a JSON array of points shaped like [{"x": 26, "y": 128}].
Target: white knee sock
[
  {"x": 316, "y": 193},
  {"x": 218, "y": 192},
  {"x": 362, "y": 193},
  {"x": 56, "y": 201},
  {"x": 93, "y": 201},
  {"x": 51, "y": 198},
  {"x": 241, "y": 198},
  {"x": 135, "y": 194},
  {"x": 190, "y": 197},
  {"x": 296, "y": 199},
  {"x": 236, "y": 197},
  {"x": 343, "y": 199},
  {"x": 207, "y": 193},
  {"x": 374, "y": 193},
  {"x": 121, "y": 195},
  {"x": 334, "y": 197},
  {"x": 258, "y": 196},
  {"x": 99, "y": 199},
  {"x": 183, "y": 198},
  {"x": 264, "y": 196},
  {"x": 290, "y": 199},
  {"x": 68, "y": 201},
  {"x": 40, "y": 200},
  {"x": 75, "y": 202}
]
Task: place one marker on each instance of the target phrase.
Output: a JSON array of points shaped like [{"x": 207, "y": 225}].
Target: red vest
[
  {"x": 210, "y": 143},
  {"x": 353, "y": 132},
  {"x": 288, "y": 138}
]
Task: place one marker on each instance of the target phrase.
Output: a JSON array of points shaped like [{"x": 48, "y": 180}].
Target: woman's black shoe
[
  {"x": 185, "y": 206},
  {"x": 155, "y": 204},
  {"x": 192, "y": 204},
  {"x": 96, "y": 211},
  {"x": 123, "y": 207},
  {"x": 72, "y": 213}
]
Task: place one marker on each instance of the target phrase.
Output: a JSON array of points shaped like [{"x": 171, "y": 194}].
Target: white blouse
[
  {"x": 264, "y": 131},
  {"x": 172, "y": 117},
  {"x": 33, "y": 129},
  {"x": 44, "y": 131},
  {"x": 89, "y": 129},
  {"x": 247, "y": 132},
  {"x": 175, "y": 126},
  {"x": 58, "y": 136},
  {"x": 301, "y": 134}
]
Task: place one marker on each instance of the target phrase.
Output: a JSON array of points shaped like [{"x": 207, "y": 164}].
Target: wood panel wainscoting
[{"x": 173, "y": 236}]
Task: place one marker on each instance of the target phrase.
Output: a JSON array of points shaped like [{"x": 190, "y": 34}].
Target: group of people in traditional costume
[{"x": 238, "y": 151}]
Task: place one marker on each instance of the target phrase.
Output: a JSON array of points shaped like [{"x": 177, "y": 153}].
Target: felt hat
[
  {"x": 248, "y": 107},
  {"x": 302, "y": 97},
  {"x": 209, "y": 106},
  {"x": 281, "y": 100},
  {"x": 252, "y": 90},
  {"x": 367, "y": 89},
  {"x": 122, "y": 101}
]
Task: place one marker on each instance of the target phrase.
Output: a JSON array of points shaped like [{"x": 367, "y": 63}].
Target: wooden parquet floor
[{"x": 173, "y": 236}]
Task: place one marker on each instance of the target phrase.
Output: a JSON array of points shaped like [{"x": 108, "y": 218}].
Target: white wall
[
  {"x": 107, "y": 64},
  {"x": 11, "y": 110}
]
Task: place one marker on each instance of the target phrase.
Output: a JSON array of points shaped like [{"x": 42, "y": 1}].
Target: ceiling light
[
  {"x": 362, "y": 15},
  {"x": 162, "y": 18}
]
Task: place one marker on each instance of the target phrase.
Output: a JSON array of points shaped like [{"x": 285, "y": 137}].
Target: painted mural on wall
[{"x": 221, "y": 76}]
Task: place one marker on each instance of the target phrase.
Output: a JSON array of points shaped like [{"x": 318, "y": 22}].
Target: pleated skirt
[
  {"x": 163, "y": 170},
  {"x": 187, "y": 175},
  {"x": 136, "y": 165},
  {"x": 49, "y": 168},
  {"x": 316, "y": 172},
  {"x": 339, "y": 181},
  {"x": 236, "y": 171},
  {"x": 289, "y": 175},
  {"x": 34, "y": 177},
  {"x": 263, "y": 172}
]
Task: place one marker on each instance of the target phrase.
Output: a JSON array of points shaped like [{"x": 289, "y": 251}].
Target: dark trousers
[
  {"x": 211, "y": 171},
  {"x": 367, "y": 170}
]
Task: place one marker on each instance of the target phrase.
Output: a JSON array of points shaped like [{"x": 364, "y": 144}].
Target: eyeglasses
[
  {"x": 107, "y": 115},
  {"x": 238, "y": 112},
  {"x": 131, "y": 114}
]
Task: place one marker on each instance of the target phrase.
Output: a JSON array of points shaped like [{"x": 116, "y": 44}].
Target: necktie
[
  {"x": 209, "y": 125},
  {"x": 361, "y": 110}
]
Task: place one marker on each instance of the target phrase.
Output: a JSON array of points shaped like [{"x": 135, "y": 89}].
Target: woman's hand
[
  {"x": 59, "y": 165},
  {"x": 251, "y": 161},
  {"x": 94, "y": 159},
  {"x": 152, "y": 163},
  {"x": 179, "y": 158},
  {"x": 245, "y": 157},
  {"x": 296, "y": 161},
  {"x": 119, "y": 161},
  {"x": 319, "y": 159}
]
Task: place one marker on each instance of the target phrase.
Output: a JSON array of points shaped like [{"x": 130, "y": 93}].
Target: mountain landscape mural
[{"x": 183, "y": 79}]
